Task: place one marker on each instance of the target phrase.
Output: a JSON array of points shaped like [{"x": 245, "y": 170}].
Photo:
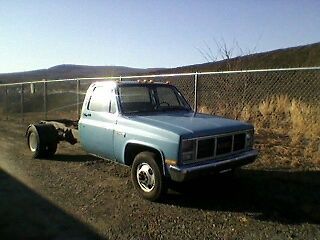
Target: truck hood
[{"x": 188, "y": 124}]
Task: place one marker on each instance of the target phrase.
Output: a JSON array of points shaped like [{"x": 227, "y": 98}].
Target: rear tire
[
  {"x": 34, "y": 144},
  {"x": 42, "y": 141},
  {"x": 51, "y": 149},
  {"x": 147, "y": 177}
]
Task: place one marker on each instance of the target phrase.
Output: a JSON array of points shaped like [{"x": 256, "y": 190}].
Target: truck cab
[{"x": 151, "y": 128}]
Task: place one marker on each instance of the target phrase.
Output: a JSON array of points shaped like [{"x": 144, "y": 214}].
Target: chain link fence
[
  {"x": 232, "y": 92},
  {"x": 226, "y": 93}
]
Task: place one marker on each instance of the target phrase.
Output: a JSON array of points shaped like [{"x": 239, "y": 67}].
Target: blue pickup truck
[{"x": 151, "y": 128}]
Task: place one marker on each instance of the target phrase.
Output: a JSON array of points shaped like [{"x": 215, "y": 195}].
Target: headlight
[
  {"x": 249, "y": 139},
  {"x": 188, "y": 150}
]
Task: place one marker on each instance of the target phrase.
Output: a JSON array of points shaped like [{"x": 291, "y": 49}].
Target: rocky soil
[{"x": 77, "y": 196}]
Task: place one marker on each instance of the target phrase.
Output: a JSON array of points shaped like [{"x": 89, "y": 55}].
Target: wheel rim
[
  {"x": 145, "y": 177},
  {"x": 33, "y": 143}
]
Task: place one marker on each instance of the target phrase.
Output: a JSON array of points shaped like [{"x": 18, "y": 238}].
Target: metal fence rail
[{"x": 230, "y": 90}]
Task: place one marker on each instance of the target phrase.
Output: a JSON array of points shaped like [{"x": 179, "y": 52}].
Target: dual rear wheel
[{"x": 42, "y": 140}]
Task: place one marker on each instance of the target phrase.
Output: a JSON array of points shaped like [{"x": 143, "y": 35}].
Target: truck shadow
[
  {"x": 269, "y": 195},
  {"x": 27, "y": 215}
]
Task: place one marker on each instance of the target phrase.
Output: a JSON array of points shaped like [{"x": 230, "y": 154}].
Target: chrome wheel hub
[
  {"x": 145, "y": 177},
  {"x": 33, "y": 142}
]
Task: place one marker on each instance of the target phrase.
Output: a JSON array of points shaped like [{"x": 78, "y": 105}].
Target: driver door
[{"x": 98, "y": 123}]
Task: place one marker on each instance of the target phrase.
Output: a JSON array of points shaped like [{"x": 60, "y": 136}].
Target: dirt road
[{"x": 76, "y": 196}]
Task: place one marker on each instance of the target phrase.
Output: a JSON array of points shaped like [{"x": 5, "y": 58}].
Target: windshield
[{"x": 151, "y": 98}]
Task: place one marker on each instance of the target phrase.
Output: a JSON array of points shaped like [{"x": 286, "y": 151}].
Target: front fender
[{"x": 148, "y": 145}]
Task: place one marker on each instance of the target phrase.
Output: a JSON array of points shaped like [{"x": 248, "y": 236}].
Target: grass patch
[{"x": 290, "y": 126}]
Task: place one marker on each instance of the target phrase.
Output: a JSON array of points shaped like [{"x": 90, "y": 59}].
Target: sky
[{"x": 146, "y": 33}]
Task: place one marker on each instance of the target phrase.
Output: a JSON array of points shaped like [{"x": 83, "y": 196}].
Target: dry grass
[{"x": 295, "y": 124}]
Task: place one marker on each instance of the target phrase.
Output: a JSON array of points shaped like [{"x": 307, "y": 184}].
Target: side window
[
  {"x": 102, "y": 101},
  {"x": 98, "y": 101},
  {"x": 113, "y": 107}
]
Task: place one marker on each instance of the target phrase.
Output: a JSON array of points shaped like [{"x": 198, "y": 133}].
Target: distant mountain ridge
[
  {"x": 72, "y": 71},
  {"x": 300, "y": 56}
]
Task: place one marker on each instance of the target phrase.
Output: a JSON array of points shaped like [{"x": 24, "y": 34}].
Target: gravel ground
[{"x": 76, "y": 196}]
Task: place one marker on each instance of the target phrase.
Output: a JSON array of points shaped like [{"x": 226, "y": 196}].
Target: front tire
[{"x": 147, "y": 177}]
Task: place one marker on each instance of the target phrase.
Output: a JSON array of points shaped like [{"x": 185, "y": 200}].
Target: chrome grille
[
  {"x": 239, "y": 141},
  {"x": 224, "y": 145},
  {"x": 211, "y": 147},
  {"x": 206, "y": 148}
]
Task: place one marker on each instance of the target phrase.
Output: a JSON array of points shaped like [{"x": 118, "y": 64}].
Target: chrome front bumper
[{"x": 182, "y": 173}]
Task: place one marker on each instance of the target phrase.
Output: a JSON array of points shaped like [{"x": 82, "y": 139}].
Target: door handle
[
  {"x": 87, "y": 114},
  {"x": 121, "y": 133}
]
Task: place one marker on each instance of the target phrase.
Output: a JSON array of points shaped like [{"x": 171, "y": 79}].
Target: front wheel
[{"x": 146, "y": 176}]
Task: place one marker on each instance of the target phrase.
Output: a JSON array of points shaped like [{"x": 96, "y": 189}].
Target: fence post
[
  {"x": 78, "y": 98},
  {"x": 22, "y": 102},
  {"x": 45, "y": 98},
  {"x": 195, "y": 92},
  {"x": 6, "y": 101}
]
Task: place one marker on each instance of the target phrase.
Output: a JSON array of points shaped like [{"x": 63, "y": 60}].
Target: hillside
[
  {"x": 71, "y": 71},
  {"x": 301, "y": 56}
]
